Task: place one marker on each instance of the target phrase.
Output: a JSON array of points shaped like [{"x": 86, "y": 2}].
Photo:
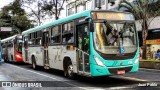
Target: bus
[
  {"x": 0, "y": 51},
  {"x": 91, "y": 43},
  {"x": 12, "y": 48}
]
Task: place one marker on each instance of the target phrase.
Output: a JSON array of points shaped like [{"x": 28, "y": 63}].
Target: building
[{"x": 75, "y": 6}]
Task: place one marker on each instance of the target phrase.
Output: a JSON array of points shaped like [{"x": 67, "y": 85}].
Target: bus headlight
[
  {"x": 136, "y": 61},
  {"x": 99, "y": 62}
]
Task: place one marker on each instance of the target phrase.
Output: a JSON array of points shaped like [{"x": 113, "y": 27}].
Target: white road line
[
  {"x": 149, "y": 69},
  {"x": 48, "y": 76},
  {"x": 135, "y": 79},
  {"x": 117, "y": 88}
]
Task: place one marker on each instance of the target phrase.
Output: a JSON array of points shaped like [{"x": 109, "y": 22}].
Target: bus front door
[
  {"x": 83, "y": 49},
  {"x": 45, "y": 40}
]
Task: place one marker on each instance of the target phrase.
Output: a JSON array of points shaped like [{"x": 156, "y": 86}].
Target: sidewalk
[{"x": 150, "y": 64}]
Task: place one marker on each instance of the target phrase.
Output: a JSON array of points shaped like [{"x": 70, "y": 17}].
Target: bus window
[
  {"x": 68, "y": 31},
  {"x": 56, "y": 35}
]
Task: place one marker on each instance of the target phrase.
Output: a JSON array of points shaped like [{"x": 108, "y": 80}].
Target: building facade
[{"x": 75, "y": 6}]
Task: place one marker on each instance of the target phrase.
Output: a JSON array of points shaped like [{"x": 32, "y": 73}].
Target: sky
[{"x": 5, "y": 2}]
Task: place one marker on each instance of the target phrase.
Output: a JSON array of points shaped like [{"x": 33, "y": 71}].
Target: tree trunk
[{"x": 144, "y": 35}]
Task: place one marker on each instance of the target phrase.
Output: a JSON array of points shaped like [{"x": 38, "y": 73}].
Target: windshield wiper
[{"x": 111, "y": 31}]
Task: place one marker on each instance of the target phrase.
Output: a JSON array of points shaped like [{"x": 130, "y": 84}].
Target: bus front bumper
[{"x": 104, "y": 71}]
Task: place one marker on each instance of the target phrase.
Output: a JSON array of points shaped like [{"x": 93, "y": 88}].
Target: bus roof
[
  {"x": 9, "y": 38},
  {"x": 77, "y": 15}
]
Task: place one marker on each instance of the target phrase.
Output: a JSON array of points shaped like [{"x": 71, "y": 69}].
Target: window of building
[
  {"x": 79, "y": 8},
  {"x": 88, "y": 5},
  {"x": 71, "y": 8},
  {"x": 99, "y": 3}
]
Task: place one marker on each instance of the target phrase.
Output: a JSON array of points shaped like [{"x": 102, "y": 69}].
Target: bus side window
[
  {"x": 56, "y": 34},
  {"x": 68, "y": 31}
]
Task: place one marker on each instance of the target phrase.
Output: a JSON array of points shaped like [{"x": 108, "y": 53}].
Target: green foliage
[
  {"x": 142, "y": 8},
  {"x": 145, "y": 11},
  {"x": 14, "y": 16}
]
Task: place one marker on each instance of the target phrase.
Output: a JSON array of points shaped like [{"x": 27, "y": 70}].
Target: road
[{"x": 56, "y": 81}]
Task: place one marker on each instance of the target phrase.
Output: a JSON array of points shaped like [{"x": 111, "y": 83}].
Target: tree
[
  {"x": 144, "y": 11},
  {"x": 35, "y": 9},
  {"x": 14, "y": 16},
  {"x": 53, "y": 7}
]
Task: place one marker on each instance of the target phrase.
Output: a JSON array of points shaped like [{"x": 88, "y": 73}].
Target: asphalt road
[{"x": 54, "y": 79}]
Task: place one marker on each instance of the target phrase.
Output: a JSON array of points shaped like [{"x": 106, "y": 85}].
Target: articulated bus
[
  {"x": 12, "y": 49},
  {"x": 90, "y": 43}
]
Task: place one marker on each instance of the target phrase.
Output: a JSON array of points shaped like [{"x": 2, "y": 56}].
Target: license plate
[{"x": 121, "y": 72}]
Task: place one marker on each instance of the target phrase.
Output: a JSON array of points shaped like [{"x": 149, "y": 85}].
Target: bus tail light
[
  {"x": 18, "y": 56},
  {"x": 99, "y": 62}
]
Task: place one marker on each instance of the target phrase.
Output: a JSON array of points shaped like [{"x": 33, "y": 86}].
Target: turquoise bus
[{"x": 91, "y": 43}]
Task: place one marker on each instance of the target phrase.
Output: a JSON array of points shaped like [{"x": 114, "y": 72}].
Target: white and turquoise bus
[{"x": 90, "y": 43}]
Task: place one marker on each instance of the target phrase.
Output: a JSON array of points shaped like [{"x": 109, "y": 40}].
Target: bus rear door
[
  {"x": 26, "y": 49},
  {"x": 45, "y": 41}
]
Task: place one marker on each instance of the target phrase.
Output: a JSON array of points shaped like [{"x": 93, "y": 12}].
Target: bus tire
[
  {"x": 34, "y": 66},
  {"x": 70, "y": 73}
]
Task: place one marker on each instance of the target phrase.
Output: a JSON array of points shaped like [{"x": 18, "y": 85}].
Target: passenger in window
[
  {"x": 86, "y": 39},
  {"x": 71, "y": 40},
  {"x": 80, "y": 42}
]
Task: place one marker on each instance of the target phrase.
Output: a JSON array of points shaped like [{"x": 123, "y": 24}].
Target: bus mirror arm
[
  {"x": 90, "y": 23},
  {"x": 91, "y": 28}
]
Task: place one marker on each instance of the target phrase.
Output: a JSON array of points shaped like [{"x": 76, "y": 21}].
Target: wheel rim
[{"x": 70, "y": 70}]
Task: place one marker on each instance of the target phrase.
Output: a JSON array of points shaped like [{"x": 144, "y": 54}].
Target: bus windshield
[{"x": 115, "y": 37}]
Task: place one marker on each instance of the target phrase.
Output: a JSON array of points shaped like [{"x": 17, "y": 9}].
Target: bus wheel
[
  {"x": 34, "y": 63},
  {"x": 70, "y": 73}
]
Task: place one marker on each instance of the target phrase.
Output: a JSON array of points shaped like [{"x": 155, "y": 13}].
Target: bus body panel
[
  {"x": 57, "y": 55},
  {"x": 37, "y": 54}
]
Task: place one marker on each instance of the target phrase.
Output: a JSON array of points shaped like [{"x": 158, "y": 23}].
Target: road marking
[
  {"x": 149, "y": 69},
  {"x": 113, "y": 88},
  {"x": 135, "y": 79},
  {"x": 48, "y": 77}
]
